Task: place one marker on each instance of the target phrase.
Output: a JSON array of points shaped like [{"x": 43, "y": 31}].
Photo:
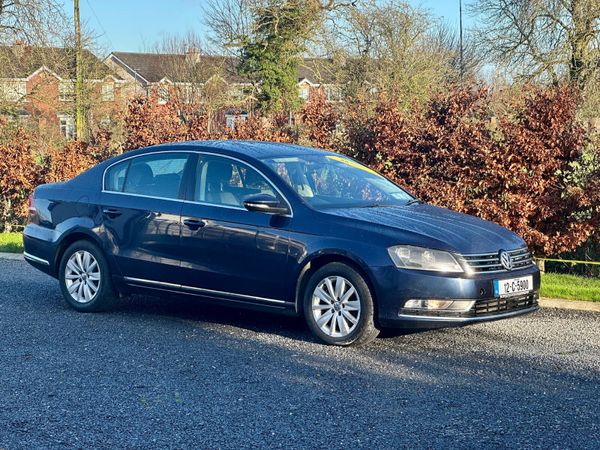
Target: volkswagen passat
[{"x": 275, "y": 227}]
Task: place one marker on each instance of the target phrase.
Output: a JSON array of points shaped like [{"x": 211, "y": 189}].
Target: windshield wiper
[
  {"x": 413, "y": 201},
  {"x": 374, "y": 205}
]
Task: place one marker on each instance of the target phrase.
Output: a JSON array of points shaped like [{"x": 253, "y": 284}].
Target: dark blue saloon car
[{"x": 275, "y": 227}]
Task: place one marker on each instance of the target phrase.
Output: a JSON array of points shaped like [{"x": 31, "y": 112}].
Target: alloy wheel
[
  {"x": 336, "y": 306},
  {"x": 82, "y": 276}
]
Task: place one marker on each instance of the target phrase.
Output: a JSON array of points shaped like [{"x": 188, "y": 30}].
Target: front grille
[
  {"x": 490, "y": 262},
  {"x": 500, "y": 305}
]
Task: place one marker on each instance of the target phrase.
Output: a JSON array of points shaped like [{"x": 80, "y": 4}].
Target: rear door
[
  {"x": 141, "y": 207},
  {"x": 227, "y": 250}
]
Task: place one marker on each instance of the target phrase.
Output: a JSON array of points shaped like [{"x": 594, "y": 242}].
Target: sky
[{"x": 138, "y": 25}]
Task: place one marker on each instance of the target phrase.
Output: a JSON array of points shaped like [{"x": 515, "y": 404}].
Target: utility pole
[
  {"x": 80, "y": 125},
  {"x": 460, "y": 18}
]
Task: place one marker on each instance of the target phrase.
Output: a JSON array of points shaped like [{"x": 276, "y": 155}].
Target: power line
[{"x": 100, "y": 24}]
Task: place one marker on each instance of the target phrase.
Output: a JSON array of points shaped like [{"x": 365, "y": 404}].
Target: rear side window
[{"x": 151, "y": 175}]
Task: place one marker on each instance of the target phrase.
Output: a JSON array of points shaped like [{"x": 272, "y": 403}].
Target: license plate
[{"x": 513, "y": 286}]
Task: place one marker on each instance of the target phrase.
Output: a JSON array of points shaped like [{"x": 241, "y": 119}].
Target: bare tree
[
  {"x": 542, "y": 39},
  {"x": 445, "y": 40},
  {"x": 229, "y": 21},
  {"x": 35, "y": 22},
  {"x": 390, "y": 47}
]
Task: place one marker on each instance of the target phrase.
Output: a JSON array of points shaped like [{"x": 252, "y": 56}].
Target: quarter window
[
  {"x": 115, "y": 177},
  {"x": 223, "y": 181}
]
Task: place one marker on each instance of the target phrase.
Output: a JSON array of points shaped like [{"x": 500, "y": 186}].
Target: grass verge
[
  {"x": 570, "y": 287},
  {"x": 11, "y": 242}
]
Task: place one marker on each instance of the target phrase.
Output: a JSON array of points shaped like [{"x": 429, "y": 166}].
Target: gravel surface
[{"x": 181, "y": 374}]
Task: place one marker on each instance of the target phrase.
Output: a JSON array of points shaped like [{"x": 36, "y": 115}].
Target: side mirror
[{"x": 265, "y": 203}]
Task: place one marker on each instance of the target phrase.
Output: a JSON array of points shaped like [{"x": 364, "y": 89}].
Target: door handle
[
  {"x": 194, "y": 224},
  {"x": 111, "y": 212}
]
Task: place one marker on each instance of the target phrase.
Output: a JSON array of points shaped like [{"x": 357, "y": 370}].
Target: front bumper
[
  {"x": 508, "y": 307},
  {"x": 395, "y": 286}
]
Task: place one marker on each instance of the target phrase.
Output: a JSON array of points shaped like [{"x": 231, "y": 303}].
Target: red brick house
[
  {"x": 37, "y": 86},
  {"x": 192, "y": 75}
]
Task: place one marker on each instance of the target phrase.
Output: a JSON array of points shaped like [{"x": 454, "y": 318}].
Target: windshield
[{"x": 334, "y": 181}]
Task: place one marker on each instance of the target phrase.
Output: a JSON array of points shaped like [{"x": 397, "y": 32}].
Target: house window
[
  {"x": 333, "y": 93},
  {"x": 236, "y": 92},
  {"x": 13, "y": 91},
  {"x": 231, "y": 119},
  {"x": 304, "y": 92},
  {"x": 108, "y": 92},
  {"x": 186, "y": 93},
  {"x": 67, "y": 125},
  {"x": 106, "y": 122},
  {"x": 21, "y": 117},
  {"x": 66, "y": 91},
  {"x": 163, "y": 95}
]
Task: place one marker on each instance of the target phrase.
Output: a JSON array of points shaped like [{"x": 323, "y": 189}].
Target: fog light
[{"x": 446, "y": 305}]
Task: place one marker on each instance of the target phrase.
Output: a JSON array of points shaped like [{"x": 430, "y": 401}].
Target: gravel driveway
[{"x": 172, "y": 374}]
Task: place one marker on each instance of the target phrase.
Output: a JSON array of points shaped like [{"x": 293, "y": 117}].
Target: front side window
[
  {"x": 150, "y": 175},
  {"x": 227, "y": 182},
  {"x": 334, "y": 181}
]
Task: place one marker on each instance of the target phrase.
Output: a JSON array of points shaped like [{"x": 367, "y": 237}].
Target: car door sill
[{"x": 188, "y": 289}]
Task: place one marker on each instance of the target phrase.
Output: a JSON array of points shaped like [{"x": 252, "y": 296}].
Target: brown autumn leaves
[{"x": 522, "y": 159}]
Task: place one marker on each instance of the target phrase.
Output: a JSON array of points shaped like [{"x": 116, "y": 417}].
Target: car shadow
[
  {"x": 201, "y": 309},
  {"x": 204, "y": 310}
]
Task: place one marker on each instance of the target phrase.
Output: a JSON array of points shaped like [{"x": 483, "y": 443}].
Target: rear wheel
[
  {"x": 338, "y": 306},
  {"x": 85, "y": 278}
]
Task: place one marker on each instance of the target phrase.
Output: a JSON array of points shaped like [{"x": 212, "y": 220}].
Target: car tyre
[
  {"x": 85, "y": 278},
  {"x": 338, "y": 306}
]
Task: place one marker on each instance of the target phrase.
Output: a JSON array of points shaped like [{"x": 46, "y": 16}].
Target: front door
[
  {"x": 227, "y": 250},
  {"x": 141, "y": 207}
]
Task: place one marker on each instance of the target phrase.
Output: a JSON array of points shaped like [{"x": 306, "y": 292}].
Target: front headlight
[{"x": 409, "y": 257}]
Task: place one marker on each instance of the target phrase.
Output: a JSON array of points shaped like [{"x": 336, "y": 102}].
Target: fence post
[{"x": 541, "y": 265}]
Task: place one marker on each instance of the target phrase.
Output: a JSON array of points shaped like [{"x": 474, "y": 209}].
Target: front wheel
[
  {"x": 338, "y": 306},
  {"x": 84, "y": 278}
]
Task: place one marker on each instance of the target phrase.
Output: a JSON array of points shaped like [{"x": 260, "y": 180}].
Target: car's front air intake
[
  {"x": 491, "y": 262},
  {"x": 501, "y": 305}
]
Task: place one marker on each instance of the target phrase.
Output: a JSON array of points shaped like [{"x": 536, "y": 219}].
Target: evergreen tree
[{"x": 271, "y": 55}]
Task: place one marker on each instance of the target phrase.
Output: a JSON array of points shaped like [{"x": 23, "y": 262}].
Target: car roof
[{"x": 253, "y": 149}]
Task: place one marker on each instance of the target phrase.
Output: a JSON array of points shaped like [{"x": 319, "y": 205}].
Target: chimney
[
  {"x": 192, "y": 55},
  {"x": 18, "y": 48}
]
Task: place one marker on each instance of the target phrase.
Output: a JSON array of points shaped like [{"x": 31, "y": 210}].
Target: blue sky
[{"x": 137, "y": 25}]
